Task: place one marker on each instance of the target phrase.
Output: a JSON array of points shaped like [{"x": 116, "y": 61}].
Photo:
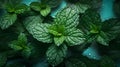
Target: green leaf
[
  {"x": 79, "y": 7},
  {"x": 59, "y": 40},
  {"x": 35, "y": 6},
  {"x": 52, "y": 3},
  {"x": 111, "y": 27},
  {"x": 74, "y": 37},
  {"x": 31, "y": 21},
  {"x": 107, "y": 62},
  {"x": 45, "y": 10},
  {"x": 15, "y": 45},
  {"x": 22, "y": 38},
  {"x": 7, "y": 20},
  {"x": 55, "y": 55},
  {"x": 21, "y": 8},
  {"x": 57, "y": 30},
  {"x": 90, "y": 18},
  {"x": 41, "y": 33},
  {"x": 19, "y": 44},
  {"x": 3, "y": 60},
  {"x": 82, "y": 7},
  {"x": 68, "y": 17},
  {"x": 103, "y": 39},
  {"x": 75, "y": 63},
  {"x": 26, "y": 52}
]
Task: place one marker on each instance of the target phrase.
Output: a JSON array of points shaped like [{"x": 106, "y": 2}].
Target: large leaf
[
  {"x": 68, "y": 17},
  {"x": 3, "y": 60},
  {"x": 31, "y": 21},
  {"x": 111, "y": 27},
  {"x": 74, "y": 37},
  {"x": 74, "y": 62},
  {"x": 55, "y": 55},
  {"x": 7, "y": 20},
  {"x": 41, "y": 33}
]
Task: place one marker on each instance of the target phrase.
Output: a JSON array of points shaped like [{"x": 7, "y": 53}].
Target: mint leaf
[
  {"x": 45, "y": 10},
  {"x": 26, "y": 52},
  {"x": 74, "y": 37},
  {"x": 55, "y": 55},
  {"x": 22, "y": 38},
  {"x": 19, "y": 43},
  {"x": 41, "y": 33},
  {"x": 75, "y": 63},
  {"x": 103, "y": 39},
  {"x": 7, "y": 20},
  {"x": 15, "y": 46},
  {"x": 21, "y": 8},
  {"x": 79, "y": 7},
  {"x": 59, "y": 40},
  {"x": 57, "y": 30},
  {"x": 68, "y": 17},
  {"x": 3, "y": 60},
  {"x": 31, "y": 21},
  {"x": 111, "y": 27},
  {"x": 35, "y": 6}
]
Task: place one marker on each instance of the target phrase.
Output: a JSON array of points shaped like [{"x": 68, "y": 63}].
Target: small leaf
[
  {"x": 22, "y": 38},
  {"x": 75, "y": 63},
  {"x": 74, "y": 37},
  {"x": 103, "y": 39},
  {"x": 59, "y": 40},
  {"x": 41, "y": 33},
  {"x": 57, "y": 30},
  {"x": 68, "y": 17},
  {"x": 3, "y": 60},
  {"x": 35, "y": 6},
  {"x": 26, "y": 52},
  {"x": 15, "y": 46},
  {"x": 7, "y": 20},
  {"x": 21, "y": 8},
  {"x": 45, "y": 10},
  {"x": 55, "y": 55},
  {"x": 90, "y": 17}
]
